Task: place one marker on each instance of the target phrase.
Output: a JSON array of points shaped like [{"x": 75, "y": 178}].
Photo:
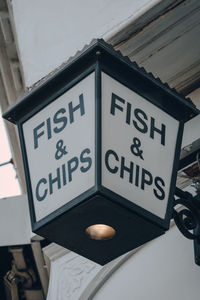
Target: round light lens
[{"x": 100, "y": 232}]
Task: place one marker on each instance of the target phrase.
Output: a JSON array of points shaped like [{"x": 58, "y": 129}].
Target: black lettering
[
  {"x": 108, "y": 153},
  {"x": 71, "y": 168},
  {"x": 36, "y": 135},
  {"x": 140, "y": 116},
  {"x": 137, "y": 175},
  {"x": 128, "y": 113},
  {"x": 86, "y": 159},
  {"x": 114, "y": 104},
  {"x": 127, "y": 169},
  {"x": 49, "y": 128},
  {"x": 160, "y": 131},
  {"x": 158, "y": 182},
  {"x": 38, "y": 194},
  {"x": 146, "y": 178},
  {"x": 54, "y": 180},
  {"x": 64, "y": 174},
  {"x": 73, "y": 109},
  {"x": 60, "y": 119}
]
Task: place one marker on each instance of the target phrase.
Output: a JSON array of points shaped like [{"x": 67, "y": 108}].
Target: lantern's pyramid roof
[
  {"x": 89, "y": 55},
  {"x": 101, "y": 42}
]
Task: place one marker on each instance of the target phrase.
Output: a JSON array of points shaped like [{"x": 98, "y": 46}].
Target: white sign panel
[
  {"x": 59, "y": 142},
  {"x": 138, "y": 146}
]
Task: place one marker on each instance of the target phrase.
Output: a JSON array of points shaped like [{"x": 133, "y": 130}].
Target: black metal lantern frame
[{"x": 134, "y": 225}]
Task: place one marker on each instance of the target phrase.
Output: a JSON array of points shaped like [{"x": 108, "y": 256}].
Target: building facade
[{"x": 36, "y": 39}]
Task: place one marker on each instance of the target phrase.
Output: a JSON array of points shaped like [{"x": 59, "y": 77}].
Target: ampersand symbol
[
  {"x": 61, "y": 150},
  {"x": 135, "y": 148}
]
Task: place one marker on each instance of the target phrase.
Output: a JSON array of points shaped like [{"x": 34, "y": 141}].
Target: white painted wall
[
  {"x": 164, "y": 269},
  {"x": 15, "y": 225},
  {"x": 49, "y": 31}
]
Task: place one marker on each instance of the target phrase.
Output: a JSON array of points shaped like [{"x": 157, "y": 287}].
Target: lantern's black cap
[{"x": 99, "y": 50}]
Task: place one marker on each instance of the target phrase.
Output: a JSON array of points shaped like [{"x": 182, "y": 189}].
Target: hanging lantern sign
[{"x": 100, "y": 142}]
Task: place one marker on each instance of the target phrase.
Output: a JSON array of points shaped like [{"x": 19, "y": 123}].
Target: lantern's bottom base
[{"x": 68, "y": 230}]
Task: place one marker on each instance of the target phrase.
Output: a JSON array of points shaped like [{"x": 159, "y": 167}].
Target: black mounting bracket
[{"x": 187, "y": 218}]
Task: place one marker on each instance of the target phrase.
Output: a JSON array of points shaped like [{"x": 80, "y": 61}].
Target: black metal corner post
[
  {"x": 27, "y": 174},
  {"x": 98, "y": 151},
  {"x": 187, "y": 218}
]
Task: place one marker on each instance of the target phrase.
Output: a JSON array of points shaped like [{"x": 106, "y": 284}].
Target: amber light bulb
[{"x": 100, "y": 232}]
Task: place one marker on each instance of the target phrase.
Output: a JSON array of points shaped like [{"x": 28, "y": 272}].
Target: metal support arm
[{"x": 187, "y": 218}]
